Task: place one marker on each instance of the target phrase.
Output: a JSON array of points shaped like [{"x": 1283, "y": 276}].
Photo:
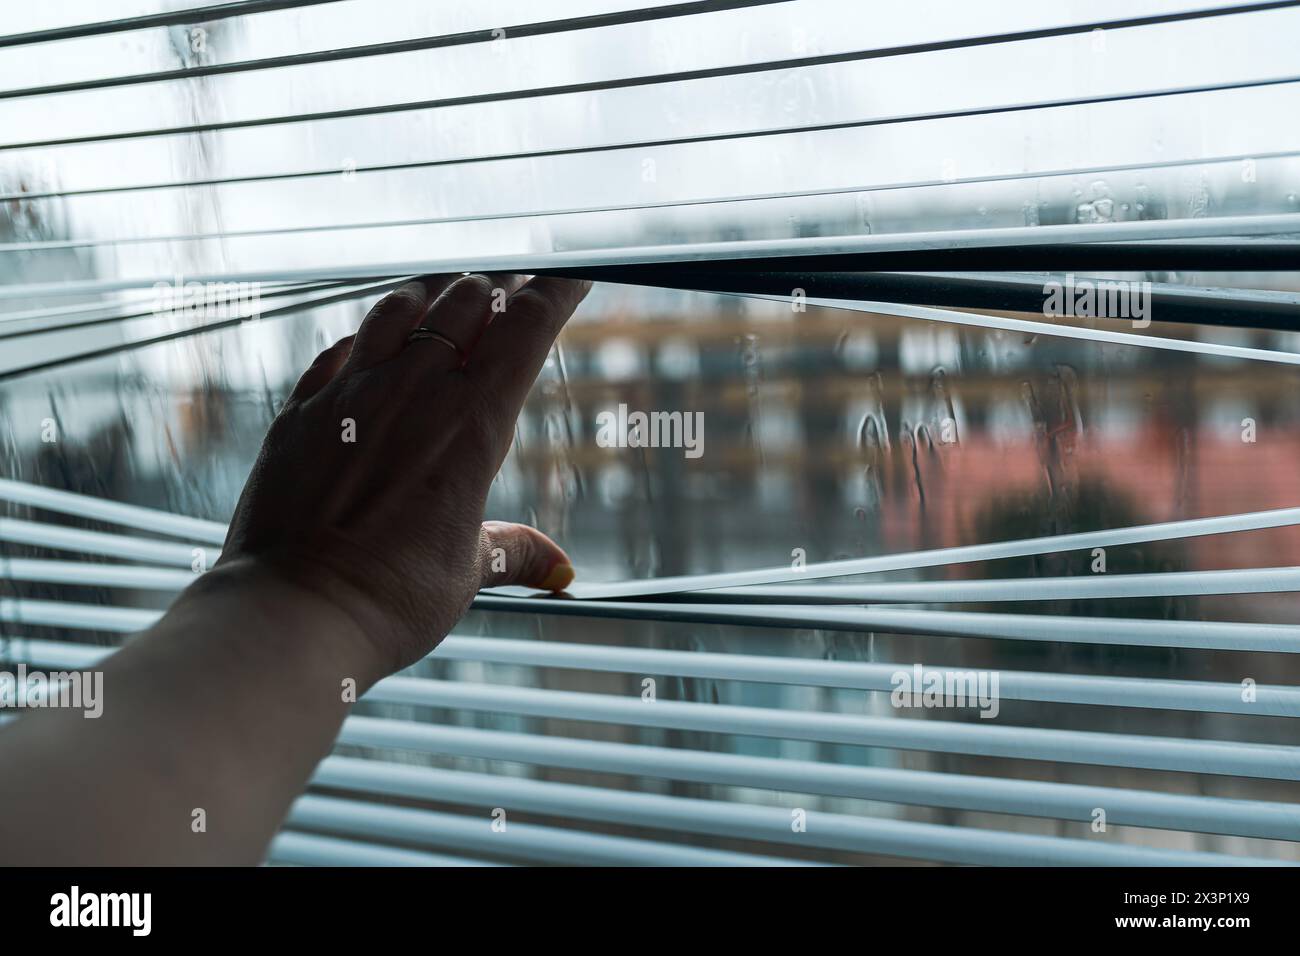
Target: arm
[{"x": 345, "y": 561}]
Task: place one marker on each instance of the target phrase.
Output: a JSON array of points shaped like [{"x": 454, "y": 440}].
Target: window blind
[
  {"x": 354, "y": 829},
  {"x": 565, "y": 142}
]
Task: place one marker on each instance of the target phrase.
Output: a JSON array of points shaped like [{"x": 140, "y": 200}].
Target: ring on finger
[{"x": 423, "y": 334}]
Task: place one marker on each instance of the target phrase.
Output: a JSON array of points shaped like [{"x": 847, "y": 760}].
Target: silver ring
[{"x": 421, "y": 334}]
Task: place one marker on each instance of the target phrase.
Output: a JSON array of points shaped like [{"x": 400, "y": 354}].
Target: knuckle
[
  {"x": 535, "y": 312},
  {"x": 331, "y": 352},
  {"x": 470, "y": 289},
  {"x": 530, "y": 302},
  {"x": 286, "y": 424},
  {"x": 397, "y": 302}
]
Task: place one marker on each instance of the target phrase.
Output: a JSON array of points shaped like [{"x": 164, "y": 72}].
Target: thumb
[{"x": 517, "y": 554}]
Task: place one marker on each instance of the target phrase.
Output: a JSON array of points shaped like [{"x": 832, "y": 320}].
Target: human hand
[{"x": 367, "y": 497}]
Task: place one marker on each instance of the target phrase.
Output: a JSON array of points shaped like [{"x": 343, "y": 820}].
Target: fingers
[
  {"x": 322, "y": 369},
  {"x": 514, "y": 347},
  {"x": 459, "y": 317},
  {"x": 388, "y": 325},
  {"x": 520, "y": 555}
]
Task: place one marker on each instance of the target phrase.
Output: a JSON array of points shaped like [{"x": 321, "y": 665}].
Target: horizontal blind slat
[
  {"x": 1232, "y": 758},
  {"x": 1142, "y": 808},
  {"x": 1201, "y": 696},
  {"x": 525, "y": 841},
  {"x": 832, "y": 831},
  {"x": 310, "y": 849},
  {"x": 203, "y": 14},
  {"x": 1000, "y": 237}
]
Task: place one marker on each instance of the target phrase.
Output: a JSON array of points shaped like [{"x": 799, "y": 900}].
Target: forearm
[{"x": 217, "y": 715}]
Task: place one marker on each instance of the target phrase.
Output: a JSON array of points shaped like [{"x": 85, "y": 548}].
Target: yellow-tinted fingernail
[{"x": 561, "y": 577}]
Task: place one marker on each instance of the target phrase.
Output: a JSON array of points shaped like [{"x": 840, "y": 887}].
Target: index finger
[{"x": 515, "y": 344}]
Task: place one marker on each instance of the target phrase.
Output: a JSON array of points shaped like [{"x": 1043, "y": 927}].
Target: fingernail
[{"x": 559, "y": 578}]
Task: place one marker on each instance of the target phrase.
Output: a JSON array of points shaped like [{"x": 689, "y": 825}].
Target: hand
[{"x": 368, "y": 494}]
